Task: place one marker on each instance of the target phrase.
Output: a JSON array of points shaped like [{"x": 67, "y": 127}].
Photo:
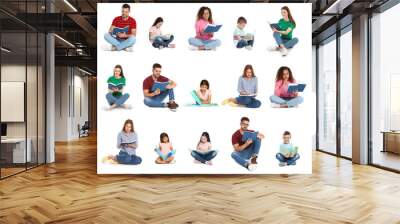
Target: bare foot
[
  {"x": 283, "y": 106},
  {"x": 209, "y": 163},
  {"x": 171, "y": 45},
  {"x": 202, "y": 48}
]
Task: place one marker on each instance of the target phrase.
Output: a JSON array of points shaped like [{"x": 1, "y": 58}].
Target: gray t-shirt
[
  {"x": 127, "y": 138},
  {"x": 250, "y": 86}
]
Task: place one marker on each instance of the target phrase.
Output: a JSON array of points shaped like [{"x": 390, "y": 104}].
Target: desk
[
  {"x": 16, "y": 147},
  {"x": 391, "y": 141}
]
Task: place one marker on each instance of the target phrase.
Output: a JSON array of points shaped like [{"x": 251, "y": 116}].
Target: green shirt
[
  {"x": 284, "y": 25},
  {"x": 117, "y": 83}
]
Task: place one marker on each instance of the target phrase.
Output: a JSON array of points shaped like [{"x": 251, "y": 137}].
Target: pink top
[
  {"x": 154, "y": 32},
  {"x": 165, "y": 147},
  {"x": 204, "y": 147},
  {"x": 281, "y": 89},
  {"x": 204, "y": 96},
  {"x": 201, "y": 24}
]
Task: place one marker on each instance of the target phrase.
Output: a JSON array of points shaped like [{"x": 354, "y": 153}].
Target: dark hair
[
  {"x": 158, "y": 20},
  {"x": 120, "y": 68},
  {"x": 279, "y": 74},
  {"x": 126, "y": 6},
  {"x": 205, "y": 134},
  {"x": 244, "y": 119},
  {"x": 162, "y": 136},
  {"x": 289, "y": 15},
  {"x": 286, "y": 133},
  {"x": 246, "y": 68},
  {"x": 156, "y": 65},
  {"x": 205, "y": 82},
  {"x": 200, "y": 14},
  {"x": 241, "y": 20},
  {"x": 129, "y": 121}
]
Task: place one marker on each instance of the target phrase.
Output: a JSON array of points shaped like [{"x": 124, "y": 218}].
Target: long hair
[
  {"x": 289, "y": 15},
  {"x": 205, "y": 82},
  {"x": 205, "y": 134},
  {"x": 120, "y": 68},
  {"x": 162, "y": 135},
  {"x": 129, "y": 121},
  {"x": 247, "y": 67},
  {"x": 200, "y": 14},
  {"x": 279, "y": 74},
  {"x": 158, "y": 20}
]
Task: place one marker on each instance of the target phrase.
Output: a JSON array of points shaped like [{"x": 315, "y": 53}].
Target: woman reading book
[
  {"x": 116, "y": 83},
  {"x": 282, "y": 97},
  {"x": 157, "y": 38},
  {"x": 247, "y": 88},
  {"x": 203, "y": 40},
  {"x": 283, "y": 32}
]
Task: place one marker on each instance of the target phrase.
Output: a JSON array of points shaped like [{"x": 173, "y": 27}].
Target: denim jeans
[
  {"x": 160, "y": 41},
  {"x": 117, "y": 100},
  {"x": 208, "y": 44},
  {"x": 243, "y": 156},
  {"x": 248, "y": 101},
  {"x": 289, "y": 160},
  {"x": 288, "y": 43},
  {"x": 165, "y": 156},
  {"x": 204, "y": 157},
  {"x": 290, "y": 102},
  {"x": 244, "y": 43},
  {"x": 120, "y": 44},
  {"x": 125, "y": 158},
  {"x": 157, "y": 101}
]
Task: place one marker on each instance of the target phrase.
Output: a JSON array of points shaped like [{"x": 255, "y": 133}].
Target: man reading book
[
  {"x": 246, "y": 152},
  {"x": 155, "y": 97},
  {"x": 122, "y": 33}
]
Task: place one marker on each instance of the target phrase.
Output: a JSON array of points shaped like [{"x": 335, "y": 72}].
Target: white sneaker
[
  {"x": 127, "y": 106},
  {"x": 281, "y": 164},
  {"x": 274, "y": 105},
  {"x": 160, "y": 47},
  {"x": 193, "y": 48},
  {"x": 252, "y": 167},
  {"x": 274, "y": 48},
  {"x": 129, "y": 49},
  {"x": 283, "y": 51},
  {"x": 249, "y": 47},
  {"x": 172, "y": 162}
]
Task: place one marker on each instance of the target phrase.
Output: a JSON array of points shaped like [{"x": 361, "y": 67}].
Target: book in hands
[
  {"x": 274, "y": 26},
  {"x": 112, "y": 86},
  {"x": 250, "y": 95},
  {"x": 288, "y": 149},
  {"x": 162, "y": 86},
  {"x": 212, "y": 28},
  {"x": 296, "y": 88},
  {"x": 249, "y": 135},
  {"x": 125, "y": 144},
  {"x": 196, "y": 97},
  {"x": 248, "y": 36},
  {"x": 117, "y": 30}
]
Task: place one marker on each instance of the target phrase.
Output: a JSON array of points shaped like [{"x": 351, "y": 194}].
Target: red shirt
[
  {"x": 121, "y": 23},
  {"x": 149, "y": 81},
  {"x": 237, "y": 138}
]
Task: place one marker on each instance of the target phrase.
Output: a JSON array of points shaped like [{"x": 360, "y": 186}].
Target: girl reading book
[
  {"x": 247, "y": 88},
  {"x": 203, "y": 40},
  {"x": 282, "y": 97},
  {"x": 157, "y": 38},
  {"x": 116, "y": 83},
  {"x": 204, "y": 153},
  {"x": 288, "y": 153},
  {"x": 164, "y": 150},
  {"x": 283, "y": 32},
  {"x": 127, "y": 143},
  {"x": 204, "y": 93}
]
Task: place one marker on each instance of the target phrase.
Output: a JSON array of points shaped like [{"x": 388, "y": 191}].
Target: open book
[
  {"x": 162, "y": 86},
  {"x": 296, "y": 87},
  {"x": 249, "y": 135},
  {"x": 250, "y": 95},
  {"x": 203, "y": 152},
  {"x": 212, "y": 28},
  {"x": 288, "y": 148},
  {"x": 120, "y": 30},
  {"x": 111, "y": 86},
  {"x": 274, "y": 26}
]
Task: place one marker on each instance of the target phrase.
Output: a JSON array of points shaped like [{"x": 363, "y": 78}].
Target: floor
[
  {"x": 387, "y": 159},
  {"x": 70, "y": 191}
]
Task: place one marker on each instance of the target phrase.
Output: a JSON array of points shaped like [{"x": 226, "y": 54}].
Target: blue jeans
[
  {"x": 244, "y": 43},
  {"x": 244, "y": 155},
  {"x": 290, "y": 102},
  {"x": 157, "y": 101},
  {"x": 204, "y": 157},
  {"x": 288, "y": 43},
  {"x": 248, "y": 101},
  {"x": 165, "y": 156},
  {"x": 117, "y": 100},
  {"x": 160, "y": 41},
  {"x": 289, "y": 161},
  {"x": 208, "y": 44},
  {"x": 125, "y": 158},
  {"x": 120, "y": 44}
]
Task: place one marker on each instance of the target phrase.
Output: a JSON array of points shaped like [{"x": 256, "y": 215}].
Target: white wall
[{"x": 69, "y": 82}]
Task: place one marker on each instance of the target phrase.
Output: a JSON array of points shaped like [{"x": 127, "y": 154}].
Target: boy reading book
[
  {"x": 288, "y": 153},
  {"x": 241, "y": 38}
]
